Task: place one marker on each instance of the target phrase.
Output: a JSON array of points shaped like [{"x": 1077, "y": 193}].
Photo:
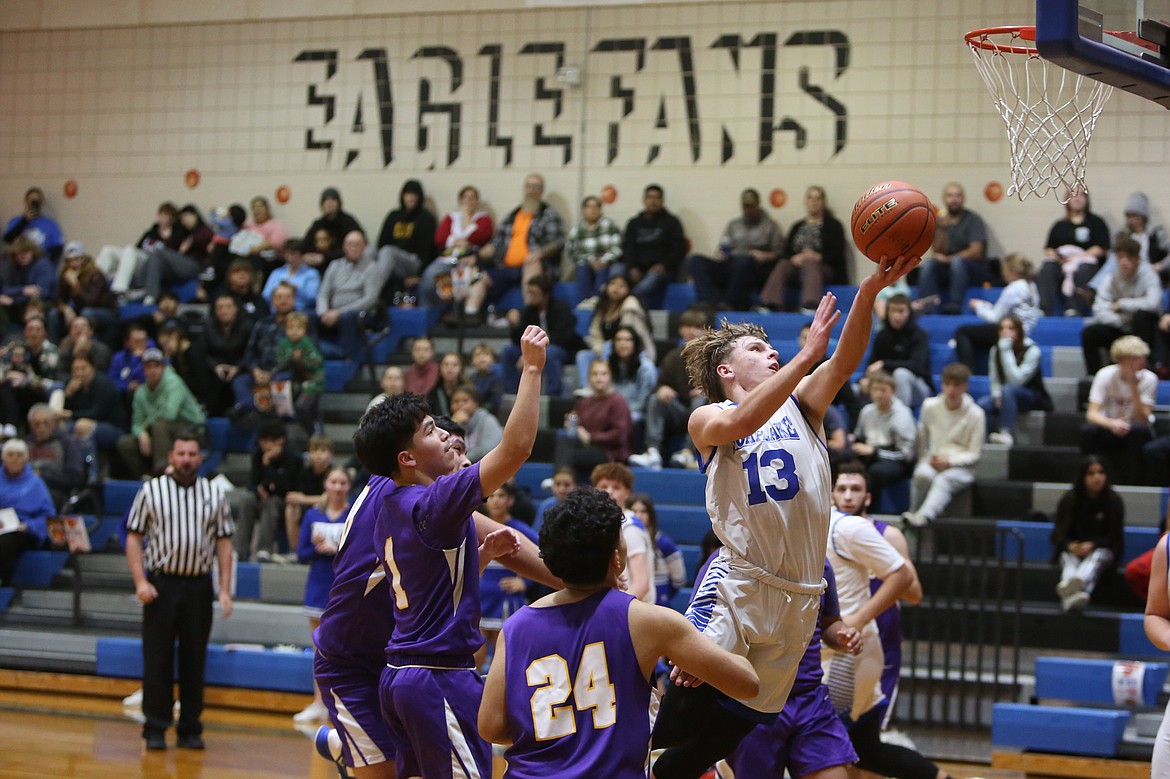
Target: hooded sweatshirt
[
  {"x": 413, "y": 230},
  {"x": 28, "y": 496}
]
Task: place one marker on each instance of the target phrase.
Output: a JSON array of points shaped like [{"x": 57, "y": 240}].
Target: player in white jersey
[{"x": 761, "y": 444}]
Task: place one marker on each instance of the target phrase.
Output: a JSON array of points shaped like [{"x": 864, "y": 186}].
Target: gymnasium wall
[{"x": 705, "y": 98}]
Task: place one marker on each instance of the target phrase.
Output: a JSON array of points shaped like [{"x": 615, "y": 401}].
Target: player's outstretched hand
[
  {"x": 850, "y": 640},
  {"x": 499, "y": 543},
  {"x": 890, "y": 269},
  {"x": 822, "y": 326},
  {"x": 533, "y": 345}
]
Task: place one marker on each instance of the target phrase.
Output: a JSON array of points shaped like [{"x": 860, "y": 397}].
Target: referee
[{"x": 184, "y": 520}]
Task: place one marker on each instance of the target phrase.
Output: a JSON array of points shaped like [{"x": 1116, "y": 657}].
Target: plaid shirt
[
  {"x": 603, "y": 241},
  {"x": 545, "y": 232}
]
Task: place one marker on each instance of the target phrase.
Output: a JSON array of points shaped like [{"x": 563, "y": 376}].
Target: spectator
[
  {"x": 305, "y": 279},
  {"x": 654, "y": 245},
  {"x": 501, "y": 592},
  {"x": 884, "y": 439},
  {"x": 1128, "y": 302},
  {"x": 450, "y": 379},
  {"x": 617, "y": 481},
  {"x": 597, "y": 430},
  {"x": 487, "y": 376},
  {"x": 670, "y": 572},
  {"x": 1156, "y": 458},
  {"x": 902, "y": 349},
  {"x": 119, "y": 264},
  {"x": 271, "y": 237},
  {"x": 594, "y": 248},
  {"x": 81, "y": 340},
  {"x": 28, "y": 371},
  {"x": 957, "y": 258},
  {"x": 423, "y": 373},
  {"x": 527, "y": 242},
  {"x": 816, "y": 246},
  {"x": 347, "y": 298},
  {"x": 460, "y": 236},
  {"x": 25, "y": 275},
  {"x": 31, "y": 223},
  {"x": 167, "y": 312},
  {"x": 634, "y": 375},
  {"x": 555, "y": 317},
  {"x": 166, "y": 266},
  {"x": 1020, "y": 298},
  {"x": 228, "y": 230},
  {"x": 392, "y": 383},
  {"x": 317, "y": 545},
  {"x": 260, "y": 357},
  {"x": 163, "y": 407},
  {"x": 483, "y": 430},
  {"x": 564, "y": 481},
  {"x": 1088, "y": 534},
  {"x": 225, "y": 342},
  {"x": 243, "y": 284},
  {"x": 1153, "y": 240},
  {"x": 309, "y": 489},
  {"x": 616, "y": 308},
  {"x": 94, "y": 405},
  {"x": 24, "y": 493},
  {"x": 184, "y": 358},
  {"x": 950, "y": 443},
  {"x": 675, "y": 397},
  {"x": 53, "y": 455},
  {"x": 1072, "y": 255},
  {"x": 126, "y": 366},
  {"x": 406, "y": 244},
  {"x": 1121, "y": 404},
  {"x": 298, "y": 357},
  {"x": 751, "y": 243},
  {"x": 276, "y": 469},
  {"x": 82, "y": 290},
  {"x": 1016, "y": 383},
  {"x": 336, "y": 224}
]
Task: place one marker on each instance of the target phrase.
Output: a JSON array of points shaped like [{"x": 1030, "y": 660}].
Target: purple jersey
[
  {"x": 426, "y": 542},
  {"x": 889, "y": 624},
  {"x": 809, "y": 674},
  {"x": 359, "y": 617},
  {"x": 577, "y": 700}
]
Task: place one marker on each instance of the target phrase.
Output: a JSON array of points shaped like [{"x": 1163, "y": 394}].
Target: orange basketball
[
  {"x": 71, "y": 189},
  {"x": 893, "y": 219}
]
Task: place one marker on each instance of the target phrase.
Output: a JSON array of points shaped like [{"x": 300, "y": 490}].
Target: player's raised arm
[
  {"x": 658, "y": 631},
  {"x": 817, "y": 391},
  {"x": 745, "y": 364},
  {"x": 501, "y": 463}
]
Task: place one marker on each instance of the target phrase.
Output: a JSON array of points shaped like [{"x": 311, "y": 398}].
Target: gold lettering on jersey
[{"x": 783, "y": 430}]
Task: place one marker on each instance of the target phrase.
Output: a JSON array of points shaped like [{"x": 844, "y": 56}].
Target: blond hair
[
  {"x": 704, "y": 354},
  {"x": 1128, "y": 346}
]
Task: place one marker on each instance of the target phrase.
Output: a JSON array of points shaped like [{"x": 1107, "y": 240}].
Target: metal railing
[{"x": 962, "y": 643}]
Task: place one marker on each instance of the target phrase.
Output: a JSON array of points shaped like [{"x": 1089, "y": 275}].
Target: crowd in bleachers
[{"x": 218, "y": 313}]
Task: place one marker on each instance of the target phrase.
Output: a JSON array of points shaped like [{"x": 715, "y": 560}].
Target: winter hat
[
  {"x": 330, "y": 193},
  {"x": 1138, "y": 203}
]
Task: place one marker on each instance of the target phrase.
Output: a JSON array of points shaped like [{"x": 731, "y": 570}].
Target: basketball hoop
[{"x": 1050, "y": 112}]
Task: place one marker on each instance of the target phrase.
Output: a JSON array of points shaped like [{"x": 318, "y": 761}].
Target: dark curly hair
[
  {"x": 579, "y": 535},
  {"x": 387, "y": 429}
]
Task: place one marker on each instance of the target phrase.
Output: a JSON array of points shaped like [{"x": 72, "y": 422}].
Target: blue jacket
[
  {"x": 14, "y": 278},
  {"x": 29, "y": 497}
]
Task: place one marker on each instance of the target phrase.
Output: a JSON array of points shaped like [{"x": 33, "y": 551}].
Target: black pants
[
  {"x": 972, "y": 344},
  {"x": 696, "y": 731},
  {"x": 1097, "y": 338},
  {"x": 884, "y": 759},
  {"x": 182, "y": 610},
  {"x": 12, "y": 546}
]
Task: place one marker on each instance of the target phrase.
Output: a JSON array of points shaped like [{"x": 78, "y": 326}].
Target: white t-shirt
[
  {"x": 1114, "y": 395},
  {"x": 858, "y": 552},
  {"x": 638, "y": 543}
]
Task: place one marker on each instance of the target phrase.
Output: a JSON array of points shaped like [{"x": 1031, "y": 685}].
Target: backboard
[{"x": 1084, "y": 37}]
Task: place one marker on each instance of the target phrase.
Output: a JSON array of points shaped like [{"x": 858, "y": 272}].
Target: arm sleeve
[
  {"x": 16, "y": 226},
  {"x": 1021, "y": 373},
  {"x": 446, "y": 506},
  {"x": 856, "y": 539},
  {"x": 610, "y": 239},
  {"x": 482, "y": 234}
]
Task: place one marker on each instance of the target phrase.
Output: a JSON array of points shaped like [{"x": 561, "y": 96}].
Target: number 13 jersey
[{"x": 768, "y": 496}]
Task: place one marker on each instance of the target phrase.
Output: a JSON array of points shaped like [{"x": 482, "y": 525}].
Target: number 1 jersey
[{"x": 768, "y": 495}]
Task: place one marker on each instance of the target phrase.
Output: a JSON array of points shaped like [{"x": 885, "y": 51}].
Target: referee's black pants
[{"x": 182, "y": 610}]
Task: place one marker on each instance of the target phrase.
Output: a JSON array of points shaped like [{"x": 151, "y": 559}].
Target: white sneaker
[
  {"x": 8, "y": 431},
  {"x": 1070, "y": 586},
  {"x": 1075, "y": 602},
  {"x": 262, "y": 556},
  {"x": 133, "y": 700},
  {"x": 1001, "y": 438},
  {"x": 546, "y": 485},
  {"x": 315, "y": 711},
  {"x": 915, "y": 518},
  {"x": 648, "y": 459},
  {"x": 684, "y": 458}
]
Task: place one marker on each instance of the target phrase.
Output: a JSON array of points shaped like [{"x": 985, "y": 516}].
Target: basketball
[{"x": 893, "y": 219}]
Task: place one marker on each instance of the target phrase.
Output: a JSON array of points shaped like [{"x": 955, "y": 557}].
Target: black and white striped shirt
[{"x": 180, "y": 525}]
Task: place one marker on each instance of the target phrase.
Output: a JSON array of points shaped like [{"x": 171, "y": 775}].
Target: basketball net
[{"x": 1050, "y": 112}]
